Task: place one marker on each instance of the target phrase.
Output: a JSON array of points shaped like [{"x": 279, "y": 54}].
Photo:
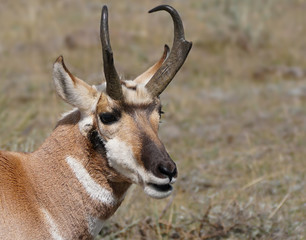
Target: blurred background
[{"x": 235, "y": 115}]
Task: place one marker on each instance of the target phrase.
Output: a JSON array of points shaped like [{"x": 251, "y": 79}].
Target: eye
[
  {"x": 109, "y": 118},
  {"x": 160, "y": 111}
]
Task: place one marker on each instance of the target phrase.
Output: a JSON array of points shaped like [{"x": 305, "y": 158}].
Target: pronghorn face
[
  {"x": 128, "y": 129},
  {"x": 130, "y": 134},
  {"x": 133, "y": 147},
  {"x": 126, "y": 114}
]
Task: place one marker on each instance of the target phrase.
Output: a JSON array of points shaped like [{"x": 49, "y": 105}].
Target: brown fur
[
  {"x": 41, "y": 197},
  {"x": 26, "y": 187},
  {"x": 41, "y": 181}
]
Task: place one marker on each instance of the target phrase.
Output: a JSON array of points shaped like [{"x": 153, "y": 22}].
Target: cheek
[
  {"x": 120, "y": 129},
  {"x": 108, "y": 131},
  {"x": 130, "y": 140},
  {"x": 118, "y": 152},
  {"x": 121, "y": 157}
]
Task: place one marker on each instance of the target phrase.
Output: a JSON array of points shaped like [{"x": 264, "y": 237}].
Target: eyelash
[{"x": 160, "y": 111}]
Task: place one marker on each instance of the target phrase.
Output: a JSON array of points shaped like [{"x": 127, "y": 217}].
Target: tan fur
[
  {"x": 136, "y": 95},
  {"x": 132, "y": 127},
  {"x": 26, "y": 187},
  {"x": 16, "y": 198},
  {"x": 44, "y": 196}
]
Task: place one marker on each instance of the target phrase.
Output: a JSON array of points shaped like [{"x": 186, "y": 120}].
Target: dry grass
[{"x": 235, "y": 114}]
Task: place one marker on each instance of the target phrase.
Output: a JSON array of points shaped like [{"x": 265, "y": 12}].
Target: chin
[{"x": 158, "y": 191}]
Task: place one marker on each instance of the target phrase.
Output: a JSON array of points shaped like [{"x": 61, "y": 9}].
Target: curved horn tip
[
  {"x": 178, "y": 24},
  {"x": 162, "y": 7},
  {"x": 177, "y": 56}
]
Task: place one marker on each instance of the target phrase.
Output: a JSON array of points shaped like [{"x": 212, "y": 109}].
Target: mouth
[
  {"x": 158, "y": 190},
  {"x": 161, "y": 188}
]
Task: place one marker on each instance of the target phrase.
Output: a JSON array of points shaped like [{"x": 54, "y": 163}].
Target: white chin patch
[{"x": 158, "y": 191}]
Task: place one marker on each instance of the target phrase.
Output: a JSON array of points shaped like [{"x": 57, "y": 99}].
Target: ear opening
[{"x": 72, "y": 89}]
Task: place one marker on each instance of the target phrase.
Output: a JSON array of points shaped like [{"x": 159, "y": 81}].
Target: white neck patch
[{"x": 94, "y": 190}]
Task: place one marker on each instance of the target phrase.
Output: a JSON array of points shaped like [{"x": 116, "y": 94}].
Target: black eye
[{"x": 109, "y": 118}]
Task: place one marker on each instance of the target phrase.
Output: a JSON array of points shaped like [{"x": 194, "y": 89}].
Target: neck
[{"x": 82, "y": 191}]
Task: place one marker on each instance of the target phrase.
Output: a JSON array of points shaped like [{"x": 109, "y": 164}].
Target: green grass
[{"x": 238, "y": 140}]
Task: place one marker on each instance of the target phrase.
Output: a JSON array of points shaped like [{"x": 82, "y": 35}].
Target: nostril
[{"x": 168, "y": 172}]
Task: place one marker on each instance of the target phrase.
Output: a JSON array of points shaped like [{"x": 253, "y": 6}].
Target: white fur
[
  {"x": 86, "y": 121},
  {"x": 120, "y": 156},
  {"x": 138, "y": 96},
  {"x": 85, "y": 124},
  {"x": 53, "y": 230},
  {"x": 173, "y": 180},
  {"x": 58, "y": 73},
  {"x": 94, "y": 226},
  {"x": 131, "y": 96},
  {"x": 76, "y": 93},
  {"x": 152, "y": 192},
  {"x": 94, "y": 190}
]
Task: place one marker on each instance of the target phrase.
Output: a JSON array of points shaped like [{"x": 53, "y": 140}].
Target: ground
[{"x": 235, "y": 115}]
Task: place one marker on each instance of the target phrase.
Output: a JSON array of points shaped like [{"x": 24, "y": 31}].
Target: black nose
[{"x": 170, "y": 171}]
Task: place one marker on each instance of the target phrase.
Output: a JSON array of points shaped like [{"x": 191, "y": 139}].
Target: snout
[
  {"x": 166, "y": 172},
  {"x": 162, "y": 169}
]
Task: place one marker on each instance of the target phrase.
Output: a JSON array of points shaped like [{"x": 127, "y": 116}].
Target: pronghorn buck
[{"x": 79, "y": 176}]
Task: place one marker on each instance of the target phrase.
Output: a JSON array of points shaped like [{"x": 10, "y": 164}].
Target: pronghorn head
[{"x": 125, "y": 114}]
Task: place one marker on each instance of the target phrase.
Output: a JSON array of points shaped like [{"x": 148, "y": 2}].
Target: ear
[
  {"x": 72, "y": 89},
  {"x": 147, "y": 75}
]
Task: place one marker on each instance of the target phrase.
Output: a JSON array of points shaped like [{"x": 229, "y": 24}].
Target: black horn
[
  {"x": 113, "y": 85},
  {"x": 177, "y": 57}
]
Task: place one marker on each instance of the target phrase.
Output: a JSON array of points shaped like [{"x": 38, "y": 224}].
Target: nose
[{"x": 170, "y": 170}]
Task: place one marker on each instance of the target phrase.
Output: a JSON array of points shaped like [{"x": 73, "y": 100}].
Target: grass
[{"x": 237, "y": 132}]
